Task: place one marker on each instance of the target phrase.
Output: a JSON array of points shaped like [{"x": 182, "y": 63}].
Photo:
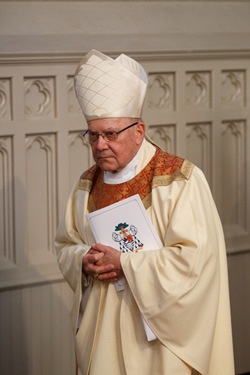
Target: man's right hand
[{"x": 103, "y": 273}]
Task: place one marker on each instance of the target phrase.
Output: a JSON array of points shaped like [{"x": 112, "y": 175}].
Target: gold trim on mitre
[{"x": 107, "y": 87}]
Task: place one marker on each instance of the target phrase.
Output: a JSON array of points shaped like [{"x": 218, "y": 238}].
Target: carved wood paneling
[
  {"x": 73, "y": 105},
  {"x": 161, "y": 91},
  {"x": 198, "y": 109},
  {"x": 41, "y": 196},
  {"x": 185, "y": 107},
  {"x": 198, "y": 89},
  {"x": 7, "y": 240},
  {"x": 205, "y": 99},
  {"x": 164, "y": 136},
  {"x": 233, "y": 88},
  {"x": 5, "y": 99},
  {"x": 39, "y": 97},
  {"x": 199, "y": 146},
  {"x": 80, "y": 156},
  {"x": 234, "y": 174}
]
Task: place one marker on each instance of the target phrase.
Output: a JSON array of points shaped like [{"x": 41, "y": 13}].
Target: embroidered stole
[{"x": 162, "y": 170}]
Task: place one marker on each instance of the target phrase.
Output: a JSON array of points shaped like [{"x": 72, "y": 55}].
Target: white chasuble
[{"x": 181, "y": 290}]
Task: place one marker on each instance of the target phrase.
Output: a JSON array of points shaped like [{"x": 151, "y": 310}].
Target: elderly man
[{"x": 181, "y": 289}]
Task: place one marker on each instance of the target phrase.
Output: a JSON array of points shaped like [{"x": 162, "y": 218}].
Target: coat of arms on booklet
[{"x": 125, "y": 235}]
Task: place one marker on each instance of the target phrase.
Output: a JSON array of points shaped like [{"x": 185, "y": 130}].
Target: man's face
[{"x": 112, "y": 156}]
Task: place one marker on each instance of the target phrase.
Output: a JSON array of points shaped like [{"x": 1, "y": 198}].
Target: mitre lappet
[{"x": 107, "y": 87}]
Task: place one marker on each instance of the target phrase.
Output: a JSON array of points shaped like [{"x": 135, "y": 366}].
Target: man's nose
[{"x": 101, "y": 142}]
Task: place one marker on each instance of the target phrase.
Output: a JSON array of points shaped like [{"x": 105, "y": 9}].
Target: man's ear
[{"x": 140, "y": 132}]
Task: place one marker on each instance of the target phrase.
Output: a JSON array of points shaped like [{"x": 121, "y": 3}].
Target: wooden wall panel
[
  {"x": 41, "y": 197},
  {"x": 7, "y": 250},
  {"x": 198, "y": 109}
]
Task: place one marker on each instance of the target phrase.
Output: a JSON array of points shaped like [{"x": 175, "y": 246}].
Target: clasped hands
[{"x": 103, "y": 263}]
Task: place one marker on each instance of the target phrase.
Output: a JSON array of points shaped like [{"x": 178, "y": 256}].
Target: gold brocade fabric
[{"x": 162, "y": 170}]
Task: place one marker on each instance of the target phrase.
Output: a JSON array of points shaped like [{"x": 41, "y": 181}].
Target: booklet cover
[{"x": 126, "y": 226}]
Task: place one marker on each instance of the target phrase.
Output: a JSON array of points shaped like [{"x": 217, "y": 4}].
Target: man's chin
[{"x": 107, "y": 167}]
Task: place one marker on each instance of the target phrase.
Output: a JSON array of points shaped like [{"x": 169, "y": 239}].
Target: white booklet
[{"x": 126, "y": 226}]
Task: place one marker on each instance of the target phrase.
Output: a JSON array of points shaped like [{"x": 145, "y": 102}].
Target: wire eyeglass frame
[{"x": 108, "y": 135}]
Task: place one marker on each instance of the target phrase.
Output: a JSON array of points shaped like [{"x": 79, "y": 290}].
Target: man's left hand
[{"x": 111, "y": 256}]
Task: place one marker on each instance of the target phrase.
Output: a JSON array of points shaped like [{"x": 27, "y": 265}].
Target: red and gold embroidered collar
[{"x": 162, "y": 170}]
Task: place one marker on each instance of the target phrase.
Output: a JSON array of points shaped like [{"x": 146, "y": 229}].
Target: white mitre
[{"x": 107, "y": 87}]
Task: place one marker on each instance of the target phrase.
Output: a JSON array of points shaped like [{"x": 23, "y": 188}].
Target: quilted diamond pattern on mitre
[
  {"x": 108, "y": 88},
  {"x": 102, "y": 87}
]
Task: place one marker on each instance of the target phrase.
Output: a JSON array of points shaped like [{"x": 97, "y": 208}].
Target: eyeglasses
[{"x": 108, "y": 135}]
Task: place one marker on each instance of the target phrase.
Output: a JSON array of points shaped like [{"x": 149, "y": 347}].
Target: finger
[
  {"x": 95, "y": 256},
  {"x": 88, "y": 262},
  {"x": 92, "y": 251},
  {"x": 108, "y": 277},
  {"x": 104, "y": 269},
  {"x": 92, "y": 257},
  {"x": 98, "y": 247}
]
